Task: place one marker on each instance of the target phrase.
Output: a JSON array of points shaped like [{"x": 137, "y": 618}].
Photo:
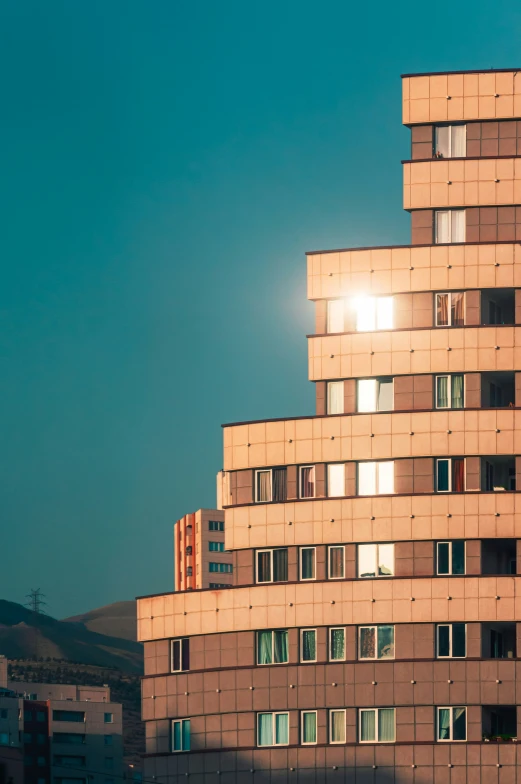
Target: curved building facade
[{"x": 373, "y": 629}]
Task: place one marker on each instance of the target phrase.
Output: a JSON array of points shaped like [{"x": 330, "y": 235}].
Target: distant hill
[
  {"x": 25, "y": 634},
  {"x": 115, "y": 620}
]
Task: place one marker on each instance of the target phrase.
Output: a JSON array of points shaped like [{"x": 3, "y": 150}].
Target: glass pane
[
  {"x": 265, "y": 729},
  {"x": 385, "y": 396},
  {"x": 366, "y": 394},
  {"x": 336, "y": 562},
  {"x": 442, "y": 227},
  {"x": 442, "y": 480},
  {"x": 386, "y": 477},
  {"x": 442, "y": 141},
  {"x": 365, "y": 313},
  {"x": 386, "y": 724},
  {"x": 307, "y": 555},
  {"x": 442, "y": 310},
  {"x": 457, "y": 391},
  {"x": 456, "y": 309},
  {"x": 263, "y": 486},
  {"x": 337, "y": 646},
  {"x": 458, "y": 141},
  {"x": 264, "y": 647},
  {"x": 458, "y": 557},
  {"x": 335, "y": 315},
  {"x": 458, "y": 475},
  {"x": 279, "y": 484},
  {"x": 384, "y": 313},
  {"x": 444, "y": 724},
  {"x": 459, "y": 724},
  {"x": 367, "y": 560},
  {"x": 443, "y": 557},
  {"x": 176, "y": 736},
  {"x": 186, "y": 735},
  {"x": 367, "y": 725},
  {"x": 335, "y": 397},
  {"x": 459, "y": 640},
  {"x": 264, "y": 566},
  {"x": 385, "y": 642},
  {"x": 307, "y": 482},
  {"x": 367, "y": 642},
  {"x": 338, "y": 727},
  {"x": 281, "y": 646},
  {"x": 281, "y": 728},
  {"x": 442, "y": 392},
  {"x": 280, "y": 565},
  {"x": 366, "y": 478},
  {"x": 458, "y": 226},
  {"x": 385, "y": 559},
  {"x": 309, "y": 727},
  {"x": 336, "y": 480},
  {"x": 309, "y": 645},
  {"x": 444, "y": 640},
  {"x": 176, "y": 655}
]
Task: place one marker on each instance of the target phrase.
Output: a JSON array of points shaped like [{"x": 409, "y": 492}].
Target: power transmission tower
[{"x": 36, "y": 601}]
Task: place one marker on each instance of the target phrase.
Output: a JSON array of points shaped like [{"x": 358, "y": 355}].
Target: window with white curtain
[
  {"x": 451, "y": 640},
  {"x": 308, "y": 724},
  {"x": 335, "y": 315},
  {"x": 374, "y": 394},
  {"x": 373, "y": 313},
  {"x": 272, "y": 729},
  {"x": 335, "y": 397},
  {"x": 375, "y": 560},
  {"x": 377, "y": 725},
  {"x": 449, "y": 226},
  {"x": 450, "y": 309},
  {"x": 337, "y": 726},
  {"x": 452, "y": 723},
  {"x": 376, "y": 478},
  {"x": 263, "y": 486},
  {"x": 450, "y": 391},
  {"x": 336, "y": 480},
  {"x": 337, "y": 643},
  {"x": 307, "y": 482},
  {"x": 450, "y": 141}
]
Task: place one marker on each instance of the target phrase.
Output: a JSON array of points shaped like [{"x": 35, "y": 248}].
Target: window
[
  {"x": 308, "y": 725},
  {"x": 373, "y": 313},
  {"x": 449, "y": 226},
  {"x": 336, "y": 481},
  {"x": 452, "y": 723},
  {"x": 335, "y": 315},
  {"x": 270, "y": 485},
  {"x": 220, "y": 567},
  {"x": 272, "y": 565},
  {"x": 27, "y": 737},
  {"x": 41, "y": 716},
  {"x": 219, "y": 585},
  {"x": 180, "y": 658},
  {"x": 216, "y": 525},
  {"x": 449, "y": 391},
  {"x": 337, "y": 726},
  {"x": 272, "y": 646},
  {"x": 108, "y": 740},
  {"x": 337, "y": 644},
  {"x": 450, "y": 141},
  {"x": 28, "y": 715},
  {"x": 336, "y": 561},
  {"x": 108, "y": 718},
  {"x": 450, "y": 557},
  {"x": 65, "y": 715},
  {"x": 376, "y": 642},
  {"x": 335, "y": 397},
  {"x": 377, "y": 725},
  {"x": 189, "y": 571},
  {"x": 68, "y": 737},
  {"x": 4, "y": 739},
  {"x": 263, "y": 486},
  {"x": 374, "y": 394},
  {"x": 450, "y": 475},
  {"x": 375, "y": 560},
  {"x": 452, "y": 640},
  {"x": 307, "y": 481},
  {"x": 216, "y": 547},
  {"x": 109, "y": 763},
  {"x": 450, "y": 309},
  {"x": 69, "y": 761},
  {"x": 41, "y": 739},
  {"x": 308, "y": 645},
  {"x": 3, "y": 713},
  {"x": 376, "y": 478},
  {"x": 308, "y": 557},
  {"x": 272, "y": 729},
  {"x": 181, "y": 735}
]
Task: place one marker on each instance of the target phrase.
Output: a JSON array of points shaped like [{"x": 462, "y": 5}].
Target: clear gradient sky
[{"x": 164, "y": 166}]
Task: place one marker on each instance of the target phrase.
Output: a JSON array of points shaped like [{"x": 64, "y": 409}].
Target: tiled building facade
[
  {"x": 200, "y": 560},
  {"x": 373, "y": 631}
]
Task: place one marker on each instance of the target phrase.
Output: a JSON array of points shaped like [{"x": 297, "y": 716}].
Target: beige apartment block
[
  {"x": 200, "y": 560},
  {"x": 372, "y": 632}
]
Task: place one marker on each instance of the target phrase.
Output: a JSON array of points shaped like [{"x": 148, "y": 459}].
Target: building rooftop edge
[
  {"x": 408, "y": 245},
  {"x": 449, "y": 73}
]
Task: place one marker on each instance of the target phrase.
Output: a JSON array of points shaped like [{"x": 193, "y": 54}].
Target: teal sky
[{"x": 164, "y": 168}]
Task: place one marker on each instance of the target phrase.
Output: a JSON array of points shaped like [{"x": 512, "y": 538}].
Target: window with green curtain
[
  {"x": 443, "y": 723},
  {"x": 176, "y": 736},
  {"x": 265, "y": 729},
  {"x": 309, "y": 727},
  {"x": 281, "y": 646},
  {"x": 367, "y": 725},
  {"x": 442, "y": 392},
  {"x": 264, "y": 647},
  {"x": 181, "y": 735},
  {"x": 386, "y": 725},
  {"x": 281, "y": 728},
  {"x": 457, "y": 391},
  {"x": 309, "y": 645},
  {"x": 186, "y": 735},
  {"x": 338, "y": 644}
]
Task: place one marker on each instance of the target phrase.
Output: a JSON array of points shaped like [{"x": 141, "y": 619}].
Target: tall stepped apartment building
[
  {"x": 200, "y": 560},
  {"x": 373, "y": 631}
]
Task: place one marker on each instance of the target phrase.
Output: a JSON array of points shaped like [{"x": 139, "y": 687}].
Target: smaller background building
[{"x": 200, "y": 560}]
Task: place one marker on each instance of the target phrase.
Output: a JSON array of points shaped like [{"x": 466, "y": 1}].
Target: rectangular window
[
  {"x": 308, "y": 724},
  {"x": 272, "y": 646},
  {"x": 452, "y": 640},
  {"x": 308, "y": 645},
  {"x": 335, "y": 397},
  {"x": 376, "y": 642},
  {"x": 450, "y": 557},
  {"x": 108, "y": 718},
  {"x": 337, "y": 726},
  {"x": 449, "y": 391},
  {"x": 3, "y": 713},
  {"x": 450, "y": 309},
  {"x": 376, "y": 478},
  {"x": 375, "y": 560},
  {"x": 377, "y": 725},
  {"x": 308, "y": 559},
  {"x": 263, "y": 486},
  {"x": 374, "y": 394},
  {"x": 69, "y": 761},
  {"x": 216, "y": 547},
  {"x": 4, "y": 739},
  {"x": 272, "y": 729},
  {"x": 272, "y": 565},
  {"x": 452, "y": 723},
  {"x": 336, "y": 480},
  {"x": 73, "y": 738},
  {"x": 449, "y": 226},
  {"x": 450, "y": 475},
  {"x": 335, "y": 315},
  {"x": 450, "y": 141},
  {"x": 66, "y": 715},
  {"x": 180, "y": 655},
  {"x": 108, "y": 740},
  {"x": 373, "y": 313},
  {"x": 109, "y": 763},
  {"x": 337, "y": 644},
  {"x": 216, "y": 525},
  {"x": 307, "y": 481},
  {"x": 336, "y": 562},
  {"x": 181, "y": 735},
  {"x": 279, "y": 491}
]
